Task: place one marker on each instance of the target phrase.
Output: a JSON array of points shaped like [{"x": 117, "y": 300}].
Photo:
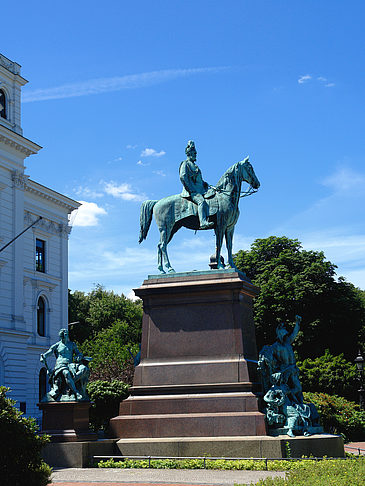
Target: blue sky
[{"x": 117, "y": 88}]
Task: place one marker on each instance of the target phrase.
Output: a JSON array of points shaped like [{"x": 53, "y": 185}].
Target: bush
[
  {"x": 106, "y": 397},
  {"x": 20, "y": 447},
  {"x": 329, "y": 374},
  {"x": 338, "y": 415}
]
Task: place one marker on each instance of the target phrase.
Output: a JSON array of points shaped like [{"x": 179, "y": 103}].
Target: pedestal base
[
  {"x": 66, "y": 421},
  {"x": 234, "y": 446}
]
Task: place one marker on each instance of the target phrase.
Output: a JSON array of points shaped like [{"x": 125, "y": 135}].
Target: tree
[
  {"x": 296, "y": 281},
  {"x": 109, "y": 350},
  {"x": 329, "y": 374},
  {"x": 20, "y": 447},
  {"x": 100, "y": 309}
]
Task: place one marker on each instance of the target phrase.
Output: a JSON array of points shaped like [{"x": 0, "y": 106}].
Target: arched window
[
  {"x": 41, "y": 317},
  {"x": 42, "y": 384},
  {"x": 2, "y": 104}
]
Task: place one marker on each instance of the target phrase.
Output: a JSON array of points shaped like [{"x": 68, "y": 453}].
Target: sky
[{"x": 116, "y": 89}]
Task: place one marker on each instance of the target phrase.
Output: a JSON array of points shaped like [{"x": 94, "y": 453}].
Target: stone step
[
  {"x": 188, "y": 425},
  {"x": 189, "y": 403}
]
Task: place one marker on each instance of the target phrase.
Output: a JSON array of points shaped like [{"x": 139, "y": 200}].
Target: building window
[
  {"x": 2, "y": 104},
  {"x": 40, "y": 256},
  {"x": 41, "y": 317},
  {"x": 42, "y": 384}
]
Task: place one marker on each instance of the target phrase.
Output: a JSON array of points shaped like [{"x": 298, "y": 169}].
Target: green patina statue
[
  {"x": 71, "y": 372},
  {"x": 285, "y": 411},
  {"x": 199, "y": 206}
]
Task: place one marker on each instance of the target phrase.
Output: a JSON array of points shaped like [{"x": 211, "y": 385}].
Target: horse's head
[{"x": 248, "y": 174}]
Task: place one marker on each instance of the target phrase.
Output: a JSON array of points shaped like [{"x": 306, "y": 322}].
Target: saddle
[{"x": 185, "y": 207}]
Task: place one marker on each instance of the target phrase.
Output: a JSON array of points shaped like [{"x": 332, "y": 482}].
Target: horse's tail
[{"x": 145, "y": 219}]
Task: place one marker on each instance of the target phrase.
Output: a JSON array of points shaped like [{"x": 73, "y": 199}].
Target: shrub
[
  {"x": 338, "y": 415},
  {"x": 20, "y": 447},
  {"x": 106, "y": 397},
  {"x": 329, "y": 374}
]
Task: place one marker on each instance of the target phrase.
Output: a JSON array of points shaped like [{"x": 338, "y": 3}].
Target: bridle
[{"x": 249, "y": 192}]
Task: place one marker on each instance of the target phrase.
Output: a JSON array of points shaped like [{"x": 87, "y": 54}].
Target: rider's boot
[
  {"x": 206, "y": 225},
  {"x": 203, "y": 211}
]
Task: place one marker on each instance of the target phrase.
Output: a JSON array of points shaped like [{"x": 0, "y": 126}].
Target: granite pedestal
[
  {"x": 197, "y": 376},
  {"x": 66, "y": 421}
]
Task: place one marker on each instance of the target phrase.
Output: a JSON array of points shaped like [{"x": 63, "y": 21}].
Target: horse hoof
[
  {"x": 171, "y": 270},
  {"x": 161, "y": 270}
]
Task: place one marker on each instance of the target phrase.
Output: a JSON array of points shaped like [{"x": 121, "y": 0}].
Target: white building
[{"x": 33, "y": 269}]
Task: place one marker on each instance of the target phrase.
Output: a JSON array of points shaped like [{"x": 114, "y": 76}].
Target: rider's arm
[{"x": 184, "y": 175}]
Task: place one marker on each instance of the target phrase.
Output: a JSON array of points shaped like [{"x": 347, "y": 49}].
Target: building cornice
[
  {"x": 18, "y": 142},
  {"x": 51, "y": 195},
  {"x": 11, "y": 66}
]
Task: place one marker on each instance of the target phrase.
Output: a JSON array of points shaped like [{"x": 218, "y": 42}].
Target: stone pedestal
[
  {"x": 66, "y": 421},
  {"x": 197, "y": 376}
]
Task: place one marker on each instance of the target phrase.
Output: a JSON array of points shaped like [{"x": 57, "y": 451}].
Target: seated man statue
[
  {"x": 194, "y": 187},
  {"x": 70, "y": 375}
]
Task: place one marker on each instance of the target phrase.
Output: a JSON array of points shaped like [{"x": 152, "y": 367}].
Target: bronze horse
[{"x": 173, "y": 212}]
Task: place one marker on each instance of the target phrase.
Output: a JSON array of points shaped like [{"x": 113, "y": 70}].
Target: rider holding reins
[{"x": 194, "y": 187}]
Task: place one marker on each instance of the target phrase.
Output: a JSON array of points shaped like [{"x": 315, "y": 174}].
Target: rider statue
[
  {"x": 194, "y": 187},
  {"x": 70, "y": 375}
]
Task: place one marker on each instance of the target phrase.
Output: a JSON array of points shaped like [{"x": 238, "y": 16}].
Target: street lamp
[{"x": 360, "y": 368}]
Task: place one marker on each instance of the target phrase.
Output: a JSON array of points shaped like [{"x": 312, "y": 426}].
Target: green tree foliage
[
  {"x": 20, "y": 447},
  {"x": 329, "y": 374},
  {"x": 109, "y": 350},
  {"x": 296, "y": 281},
  {"x": 109, "y": 324},
  {"x": 99, "y": 310},
  {"x": 338, "y": 415},
  {"x": 106, "y": 396}
]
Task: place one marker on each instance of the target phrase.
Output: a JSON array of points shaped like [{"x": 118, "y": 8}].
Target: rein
[{"x": 249, "y": 192}]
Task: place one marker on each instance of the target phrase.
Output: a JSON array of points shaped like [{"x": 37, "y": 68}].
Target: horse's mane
[{"x": 230, "y": 175}]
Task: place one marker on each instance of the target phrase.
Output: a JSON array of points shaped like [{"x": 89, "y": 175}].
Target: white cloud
[
  {"x": 304, "y": 79},
  {"x": 87, "y": 214},
  {"x": 123, "y": 191},
  {"x": 131, "y": 147},
  {"x": 321, "y": 79},
  {"x": 104, "y": 85},
  {"x": 150, "y": 152},
  {"x": 87, "y": 192},
  {"x": 160, "y": 173},
  {"x": 143, "y": 164},
  {"x": 345, "y": 179}
]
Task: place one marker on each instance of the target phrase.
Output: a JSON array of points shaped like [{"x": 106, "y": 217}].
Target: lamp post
[{"x": 360, "y": 367}]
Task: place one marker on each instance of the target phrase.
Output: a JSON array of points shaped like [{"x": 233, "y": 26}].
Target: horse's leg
[
  {"x": 163, "y": 248},
  {"x": 218, "y": 246},
  {"x": 229, "y": 239},
  {"x": 159, "y": 254}
]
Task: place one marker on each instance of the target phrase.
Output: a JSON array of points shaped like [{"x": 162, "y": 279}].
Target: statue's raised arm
[{"x": 296, "y": 329}]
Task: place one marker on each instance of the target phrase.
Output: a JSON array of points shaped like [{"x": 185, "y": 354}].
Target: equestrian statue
[{"x": 199, "y": 206}]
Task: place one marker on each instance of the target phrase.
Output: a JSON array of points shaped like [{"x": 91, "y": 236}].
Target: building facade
[{"x": 34, "y": 267}]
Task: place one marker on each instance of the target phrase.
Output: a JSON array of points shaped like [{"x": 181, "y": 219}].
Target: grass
[{"x": 350, "y": 472}]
